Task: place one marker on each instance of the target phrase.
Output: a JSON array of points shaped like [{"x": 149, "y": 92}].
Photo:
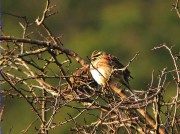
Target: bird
[{"x": 106, "y": 69}]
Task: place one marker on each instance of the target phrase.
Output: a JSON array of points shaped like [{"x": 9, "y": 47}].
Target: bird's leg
[{"x": 103, "y": 89}]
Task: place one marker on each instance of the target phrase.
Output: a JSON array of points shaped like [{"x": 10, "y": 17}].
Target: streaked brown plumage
[{"x": 107, "y": 68}]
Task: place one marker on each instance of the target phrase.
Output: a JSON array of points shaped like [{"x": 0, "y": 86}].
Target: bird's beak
[{"x": 93, "y": 58}]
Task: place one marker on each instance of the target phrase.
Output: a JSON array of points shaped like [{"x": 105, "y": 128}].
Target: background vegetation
[{"x": 121, "y": 28}]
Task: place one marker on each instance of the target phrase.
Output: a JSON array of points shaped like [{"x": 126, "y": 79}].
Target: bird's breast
[
  {"x": 101, "y": 72},
  {"x": 99, "y": 76}
]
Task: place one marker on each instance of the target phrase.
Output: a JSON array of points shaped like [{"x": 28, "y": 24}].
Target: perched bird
[{"x": 106, "y": 68}]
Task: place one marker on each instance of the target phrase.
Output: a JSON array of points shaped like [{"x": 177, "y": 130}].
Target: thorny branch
[
  {"x": 44, "y": 16},
  {"x": 15, "y": 60},
  {"x": 176, "y": 98},
  {"x": 176, "y": 8}
]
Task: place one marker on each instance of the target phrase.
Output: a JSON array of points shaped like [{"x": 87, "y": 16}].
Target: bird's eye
[{"x": 98, "y": 54}]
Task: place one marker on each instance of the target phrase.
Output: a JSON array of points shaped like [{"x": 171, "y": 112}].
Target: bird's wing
[{"x": 117, "y": 65}]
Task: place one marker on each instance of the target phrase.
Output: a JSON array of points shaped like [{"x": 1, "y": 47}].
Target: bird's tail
[{"x": 126, "y": 84}]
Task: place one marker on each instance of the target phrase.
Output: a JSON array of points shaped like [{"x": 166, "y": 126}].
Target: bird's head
[{"x": 97, "y": 54}]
